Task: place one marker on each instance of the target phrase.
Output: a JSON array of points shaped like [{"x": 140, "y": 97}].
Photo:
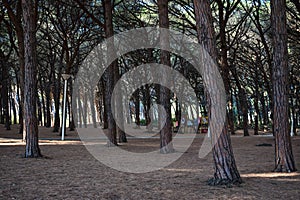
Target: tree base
[
  {"x": 123, "y": 140},
  {"x": 280, "y": 168},
  {"x": 110, "y": 144},
  {"x": 224, "y": 182},
  {"x": 167, "y": 149},
  {"x": 33, "y": 155},
  {"x": 55, "y": 129},
  {"x": 39, "y": 157}
]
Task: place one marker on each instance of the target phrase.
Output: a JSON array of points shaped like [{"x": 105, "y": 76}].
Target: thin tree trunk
[
  {"x": 256, "y": 108},
  {"x": 92, "y": 104},
  {"x": 105, "y": 122},
  {"x": 71, "y": 117},
  {"x": 224, "y": 61},
  {"x": 13, "y": 105},
  {"x": 137, "y": 107},
  {"x": 57, "y": 91},
  {"x": 43, "y": 106},
  {"x": 244, "y": 105},
  {"x": 48, "y": 110},
  {"x": 39, "y": 109},
  {"x": 5, "y": 96},
  {"x": 264, "y": 110}
]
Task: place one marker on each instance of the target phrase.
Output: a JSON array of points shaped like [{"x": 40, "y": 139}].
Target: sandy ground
[{"x": 71, "y": 172}]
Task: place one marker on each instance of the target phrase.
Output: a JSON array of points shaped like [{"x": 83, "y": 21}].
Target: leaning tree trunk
[
  {"x": 284, "y": 160},
  {"x": 166, "y": 145},
  {"x": 226, "y": 171},
  {"x": 30, "y": 84}
]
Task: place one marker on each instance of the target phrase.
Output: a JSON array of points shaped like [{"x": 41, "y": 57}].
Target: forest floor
[{"x": 69, "y": 171}]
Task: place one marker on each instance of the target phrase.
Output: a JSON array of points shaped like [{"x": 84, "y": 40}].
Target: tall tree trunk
[
  {"x": 284, "y": 159},
  {"x": 112, "y": 132},
  {"x": 225, "y": 168},
  {"x": 30, "y": 87},
  {"x": 166, "y": 145}
]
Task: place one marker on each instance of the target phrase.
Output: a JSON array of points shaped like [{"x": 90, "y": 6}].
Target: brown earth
[{"x": 69, "y": 171}]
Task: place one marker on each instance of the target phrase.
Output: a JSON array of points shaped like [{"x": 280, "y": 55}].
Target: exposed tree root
[{"x": 224, "y": 182}]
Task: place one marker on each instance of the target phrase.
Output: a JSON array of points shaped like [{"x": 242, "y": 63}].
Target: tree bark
[
  {"x": 226, "y": 171},
  {"x": 284, "y": 159},
  {"x": 30, "y": 86},
  {"x": 166, "y": 145},
  {"x": 112, "y": 132}
]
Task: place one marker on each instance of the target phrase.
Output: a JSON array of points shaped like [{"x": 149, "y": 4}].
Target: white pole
[
  {"x": 65, "y": 77},
  {"x": 292, "y": 127},
  {"x": 64, "y": 111}
]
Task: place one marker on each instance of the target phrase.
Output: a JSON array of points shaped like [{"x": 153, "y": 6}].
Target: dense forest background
[{"x": 67, "y": 31}]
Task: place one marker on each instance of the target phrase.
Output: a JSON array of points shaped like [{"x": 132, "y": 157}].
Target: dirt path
[{"x": 71, "y": 172}]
